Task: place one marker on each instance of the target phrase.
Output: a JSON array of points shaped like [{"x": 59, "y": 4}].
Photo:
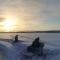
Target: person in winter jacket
[{"x": 36, "y": 47}]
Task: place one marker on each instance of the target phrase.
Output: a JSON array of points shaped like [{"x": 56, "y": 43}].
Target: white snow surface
[{"x": 16, "y": 51}]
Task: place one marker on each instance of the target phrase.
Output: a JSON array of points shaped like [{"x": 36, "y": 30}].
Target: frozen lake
[
  {"x": 27, "y": 36},
  {"x": 51, "y": 40}
]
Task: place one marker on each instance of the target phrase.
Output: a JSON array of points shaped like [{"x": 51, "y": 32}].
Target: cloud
[
  {"x": 2, "y": 19},
  {"x": 31, "y": 7},
  {"x": 34, "y": 12}
]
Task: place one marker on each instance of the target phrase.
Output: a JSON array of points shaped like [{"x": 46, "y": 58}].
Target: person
[
  {"x": 16, "y": 38},
  {"x": 36, "y": 45}
]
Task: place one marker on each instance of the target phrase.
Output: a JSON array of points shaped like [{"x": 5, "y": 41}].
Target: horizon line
[{"x": 49, "y": 31}]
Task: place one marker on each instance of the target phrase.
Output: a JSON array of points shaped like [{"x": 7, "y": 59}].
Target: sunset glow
[
  {"x": 8, "y": 24},
  {"x": 29, "y": 15}
]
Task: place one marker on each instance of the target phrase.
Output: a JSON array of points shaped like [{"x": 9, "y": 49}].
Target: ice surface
[{"x": 14, "y": 51}]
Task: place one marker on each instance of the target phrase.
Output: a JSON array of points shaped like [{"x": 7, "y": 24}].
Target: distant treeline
[{"x": 33, "y": 32}]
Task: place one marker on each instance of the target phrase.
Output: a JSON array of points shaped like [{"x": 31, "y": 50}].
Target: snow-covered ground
[{"x": 15, "y": 51}]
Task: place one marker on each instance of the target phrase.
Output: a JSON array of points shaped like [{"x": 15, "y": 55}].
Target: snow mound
[{"x": 8, "y": 50}]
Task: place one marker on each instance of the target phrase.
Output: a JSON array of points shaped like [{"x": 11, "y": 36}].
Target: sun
[
  {"x": 8, "y": 24},
  {"x": 12, "y": 24}
]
